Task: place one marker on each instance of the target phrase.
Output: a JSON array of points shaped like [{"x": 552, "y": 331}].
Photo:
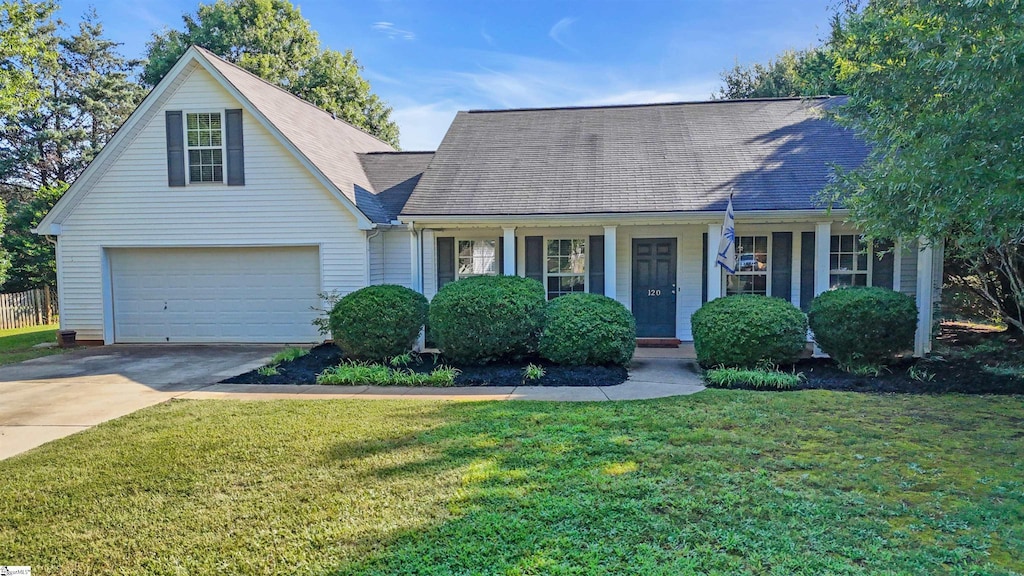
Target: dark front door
[{"x": 654, "y": 287}]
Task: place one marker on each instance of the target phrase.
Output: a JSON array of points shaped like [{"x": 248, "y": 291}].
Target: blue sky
[{"x": 429, "y": 59}]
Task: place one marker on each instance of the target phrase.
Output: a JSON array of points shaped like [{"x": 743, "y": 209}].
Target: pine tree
[{"x": 86, "y": 95}]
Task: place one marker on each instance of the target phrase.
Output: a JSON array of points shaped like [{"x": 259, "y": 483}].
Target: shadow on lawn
[{"x": 682, "y": 487}]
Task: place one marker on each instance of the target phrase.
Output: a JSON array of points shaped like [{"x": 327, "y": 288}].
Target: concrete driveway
[{"x": 54, "y": 396}]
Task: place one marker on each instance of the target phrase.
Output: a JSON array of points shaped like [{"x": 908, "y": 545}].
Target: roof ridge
[
  {"x": 390, "y": 152},
  {"x": 333, "y": 116},
  {"x": 654, "y": 104}
]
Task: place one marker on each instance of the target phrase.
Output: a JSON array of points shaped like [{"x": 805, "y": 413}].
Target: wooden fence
[{"x": 32, "y": 308}]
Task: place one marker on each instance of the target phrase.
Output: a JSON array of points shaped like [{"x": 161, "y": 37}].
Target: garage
[{"x": 214, "y": 295}]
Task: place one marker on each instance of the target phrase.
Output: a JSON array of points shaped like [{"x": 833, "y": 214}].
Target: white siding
[
  {"x": 397, "y": 257},
  {"x": 376, "y": 257},
  {"x": 131, "y": 206},
  {"x": 391, "y": 258}
]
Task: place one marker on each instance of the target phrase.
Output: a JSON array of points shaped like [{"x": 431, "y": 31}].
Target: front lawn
[
  {"x": 724, "y": 482},
  {"x": 17, "y": 344}
]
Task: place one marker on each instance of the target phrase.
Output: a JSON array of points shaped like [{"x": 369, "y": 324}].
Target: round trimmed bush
[
  {"x": 863, "y": 325},
  {"x": 588, "y": 329},
  {"x": 378, "y": 322},
  {"x": 487, "y": 318},
  {"x": 745, "y": 330}
]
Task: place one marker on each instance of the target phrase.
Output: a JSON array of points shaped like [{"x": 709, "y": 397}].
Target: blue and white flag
[{"x": 726, "y": 245}]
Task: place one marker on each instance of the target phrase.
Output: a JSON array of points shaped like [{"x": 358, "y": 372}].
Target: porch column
[
  {"x": 822, "y": 251},
  {"x": 416, "y": 262},
  {"x": 508, "y": 266},
  {"x": 923, "y": 337},
  {"x": 610, "y": 235},
  {"x": 714, "y": 278}
]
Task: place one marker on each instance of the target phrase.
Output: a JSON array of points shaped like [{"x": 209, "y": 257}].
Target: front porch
[{"x": 662, "y": 267}]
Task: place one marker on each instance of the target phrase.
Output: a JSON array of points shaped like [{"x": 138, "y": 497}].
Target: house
[{"x": 225, "y": 206}]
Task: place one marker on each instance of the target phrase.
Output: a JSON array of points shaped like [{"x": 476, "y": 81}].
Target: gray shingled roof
[
  {"x": 329, "y": 144},
  {"x": 774, "y": 154},
  {"x": 392, "y": 175}
]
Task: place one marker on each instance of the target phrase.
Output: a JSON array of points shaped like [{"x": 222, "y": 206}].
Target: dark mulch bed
[
  {"x": 305, "y": 369},
  {"x": 960, "y": 376},
  {"x": 957, "y": 365}
]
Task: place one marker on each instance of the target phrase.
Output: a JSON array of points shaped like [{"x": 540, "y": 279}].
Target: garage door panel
[{"x": 215, "y": 294}]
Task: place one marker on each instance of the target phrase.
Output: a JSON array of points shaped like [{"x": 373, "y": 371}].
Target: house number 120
[{"x": 654, "y": 292}]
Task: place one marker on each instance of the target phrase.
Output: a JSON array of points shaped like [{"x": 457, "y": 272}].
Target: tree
[
  {"x": 936, "y": 87},
  {"x": 271, "y": 39},
  {"x": 810, "y": 72},
  {"x": 5, "y": 257},
  {"x": 32, "y": 262},
  {"x": 24, "y": 26},
  {"x": 86, "y": 95}
]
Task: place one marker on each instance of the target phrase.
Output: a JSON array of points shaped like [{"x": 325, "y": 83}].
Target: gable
[
  {"x": 132, "y": 196},
  {"x": 195, "y": 72}
]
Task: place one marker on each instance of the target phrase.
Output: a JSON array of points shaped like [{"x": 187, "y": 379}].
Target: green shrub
[
  {"x": 758, "y": 378},
  {"x": 487, "y": 318},
  {"x": 378, "y": 322},
  {"x": 863, "y": 326},
  {"x": 588, "y": 329},
  {"x": 367, "y": 373},
  {"x": 744, "y": 330}
]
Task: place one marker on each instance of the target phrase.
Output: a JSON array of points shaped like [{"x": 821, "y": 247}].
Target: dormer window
[{"x": 204, "y": 135}]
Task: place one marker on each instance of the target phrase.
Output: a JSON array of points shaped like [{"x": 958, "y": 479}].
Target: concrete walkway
[
  {"x": 648, "y": 378},
  {"x": 55, "y": 396}
]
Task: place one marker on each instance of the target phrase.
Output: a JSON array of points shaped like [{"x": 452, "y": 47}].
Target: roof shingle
[{"x": 773, "y": 154}]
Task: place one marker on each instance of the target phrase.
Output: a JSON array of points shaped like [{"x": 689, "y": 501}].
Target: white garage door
[{"x": 214, "y": 294}]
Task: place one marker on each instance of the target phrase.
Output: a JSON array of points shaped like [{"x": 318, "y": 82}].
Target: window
[
  {"x": 566, "y": 269},
  {"x": 477, "y": 258},
  {"x": 204, "y": 138},
  {"x": 848, "y": 261},
  {"x": 751, "y": 275}
]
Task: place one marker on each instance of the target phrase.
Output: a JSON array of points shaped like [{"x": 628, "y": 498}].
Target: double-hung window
[
  {"x": 751, "y": 275},
  {"x": 566, "y": 267},
  {"x": 204, "y": 137},
  {"x": 848, "y": 261},
  {"x": 477, "y": 258}
]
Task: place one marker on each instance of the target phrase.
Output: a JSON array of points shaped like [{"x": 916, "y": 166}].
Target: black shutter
[
  {"x": 806, "y": 270},
  {"x": 175, "y": 148},
  {"x": 235, "y": 151},
  {"x": 445, "y": 261},
  {"x": 782, "y": 265},
  {"x": 596, "y": 264},
  {"x": 704, "y": 269},
  {"x": 500, "y": 264},
  {"x": 882, "y": 268},
  {"x": 535, "y": 257}
]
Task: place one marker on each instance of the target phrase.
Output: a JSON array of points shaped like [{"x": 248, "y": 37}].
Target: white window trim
[
  {"x": 586, "y": 262},
  {"x": 767, "y": 271},
  {"x": 870, "y": 246},
  {"x": 497, "y": 264},
  {"x": 223, "y": 147}
]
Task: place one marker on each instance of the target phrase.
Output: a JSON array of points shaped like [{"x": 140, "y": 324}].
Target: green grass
[
  {"x": 16, "y": 344},
  {"x": 724, "y": 482}
]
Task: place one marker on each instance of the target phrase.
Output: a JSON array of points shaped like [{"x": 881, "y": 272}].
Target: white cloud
[
  {"x": 694, "y": 91},
  {"x": 423, "y": 126},
  {"x": 487, "y": 37},
  {"x": 503, "y": 80},
  {"x": 559, "y": 31},
  {"x": 389, "y": 30}
]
